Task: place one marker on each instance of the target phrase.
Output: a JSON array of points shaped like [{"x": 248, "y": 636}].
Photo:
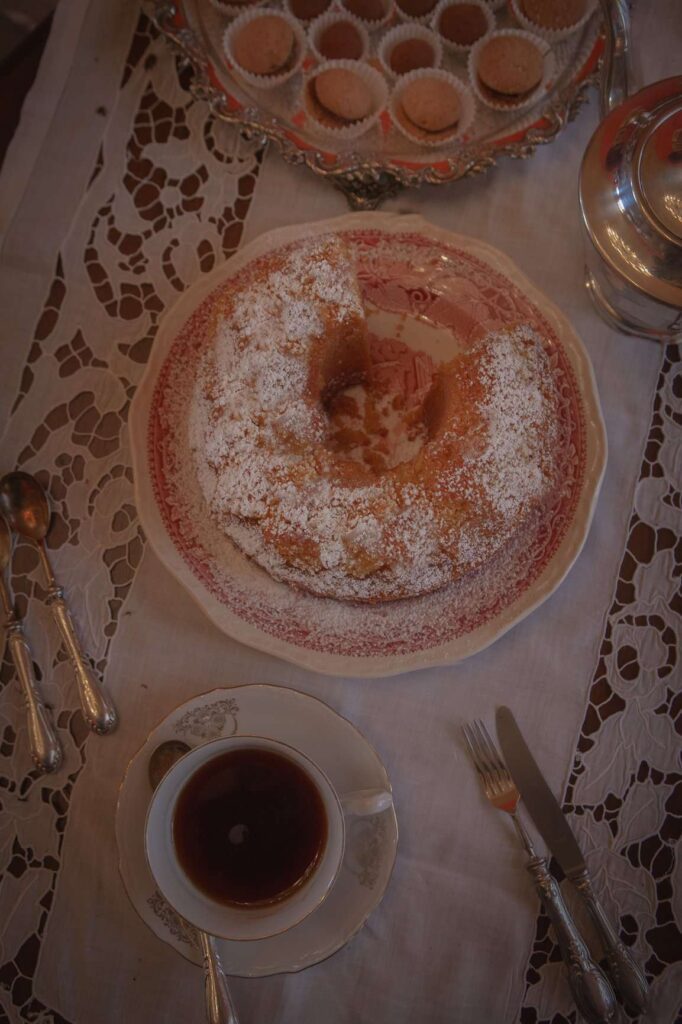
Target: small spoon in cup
[{"x": 219, "y": 1006}]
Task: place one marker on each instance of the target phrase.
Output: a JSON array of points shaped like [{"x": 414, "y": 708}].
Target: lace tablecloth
[{"x": 118, "y": 192}]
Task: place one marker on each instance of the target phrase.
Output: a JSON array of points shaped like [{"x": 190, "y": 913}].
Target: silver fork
[{"x": 591, "y": 990}]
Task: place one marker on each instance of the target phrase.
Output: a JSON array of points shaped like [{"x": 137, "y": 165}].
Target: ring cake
[{"x": 334, "y": 484}]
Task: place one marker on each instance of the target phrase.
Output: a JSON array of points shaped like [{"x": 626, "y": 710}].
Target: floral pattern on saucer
[{"x": 349, "y": 761}]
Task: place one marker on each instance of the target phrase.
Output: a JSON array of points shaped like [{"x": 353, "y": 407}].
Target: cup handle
[{"x": 364, "y": 802}]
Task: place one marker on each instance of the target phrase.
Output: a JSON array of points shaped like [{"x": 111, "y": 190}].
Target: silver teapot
[{"x": 631, "y": 195}]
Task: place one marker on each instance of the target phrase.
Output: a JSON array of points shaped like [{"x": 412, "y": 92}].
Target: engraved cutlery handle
[
  {"x": 219, "y": 1006},
  {"x": 44, "y": 745},
  {"x": 626, "y": 973},
  {"x": 99, "y": 712},
  {"x": 591, "y": 990}
]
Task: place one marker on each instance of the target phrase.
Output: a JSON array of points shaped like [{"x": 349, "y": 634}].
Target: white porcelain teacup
[{"x": 257, "y": 920}]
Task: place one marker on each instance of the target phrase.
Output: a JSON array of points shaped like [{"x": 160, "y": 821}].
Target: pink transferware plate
[{"x": 426, "y": 292}]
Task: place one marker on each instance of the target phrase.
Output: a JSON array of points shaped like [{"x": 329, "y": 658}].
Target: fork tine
[
  {"x": 493, "y": 753},
  {"x": 483, "y": 755},
  {"x": 468, "y": 737}
]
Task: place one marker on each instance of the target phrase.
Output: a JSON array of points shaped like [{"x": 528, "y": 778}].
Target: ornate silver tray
[{"x": 365, "y": 170}]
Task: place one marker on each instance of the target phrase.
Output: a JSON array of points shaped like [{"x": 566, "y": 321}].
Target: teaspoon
[
  {"x": 43, "y": 743},
  {"x": 219, "y": 1006},
  {"x": 26, "y": 506}
]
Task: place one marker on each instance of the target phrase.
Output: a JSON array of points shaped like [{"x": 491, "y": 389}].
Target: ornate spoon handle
[
  {"x": 99, "y": 712},
  {"x": 44, "y": 745},
  {"x": 219, "y": 1006},
  {"x": 591, "y": 990},
  {"x": 626, "y": 973}
]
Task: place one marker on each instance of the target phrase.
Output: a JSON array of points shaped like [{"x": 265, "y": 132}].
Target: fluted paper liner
[
  {"x": 549, "y": 67},
  {"x": 317, "y": 27},
  {"x": 401, "y": 33},
  {"x": 421, "y": 137},
  {"x": 379, "y": 22},
  {"x": 552, "y": 35},
  {"x": 266, "y": 81},
  {"x": 353, "y": 129},
  {"x": 459, "y": 48}
]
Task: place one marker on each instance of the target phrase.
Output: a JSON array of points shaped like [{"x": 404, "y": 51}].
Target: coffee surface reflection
[{"x": 249, "y": 827}]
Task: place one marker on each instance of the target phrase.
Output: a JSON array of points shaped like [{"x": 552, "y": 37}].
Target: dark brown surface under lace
[
  {"x": 95, "y": 434},
  {"x": 627, "y": 679}
]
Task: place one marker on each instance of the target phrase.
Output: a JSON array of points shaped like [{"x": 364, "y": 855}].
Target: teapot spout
[{"x": 615, "y": 80}]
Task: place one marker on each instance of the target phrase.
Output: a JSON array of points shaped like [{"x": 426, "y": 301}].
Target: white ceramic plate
[
  {"x": 429, "y": 290},
  {"x": 346, "y": 758}
]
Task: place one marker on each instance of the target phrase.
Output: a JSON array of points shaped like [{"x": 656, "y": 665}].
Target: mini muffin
[
  {"x": 461, "y": 24},
  {"x": 415, "y": 8},
  {"x": 306, "y": 10},
  {"x": 340, "y": 39},
  {"x": 372, "y": 12},
  {"x": 264, "y": 45},
  {"x": 554, "y": 14},
  {"x": 408, "y": 47},
  {"x": 431, "y": 106},
  {"x": 509, "y": 68},
  {"x": 552, "y": 19},
  {"x": 343, "y": 94},
  {"x": 411, "y": 54},
  {"x": 344, "y": 98}
]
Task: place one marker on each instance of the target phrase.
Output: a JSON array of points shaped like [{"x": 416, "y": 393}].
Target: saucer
[{"x": 350, "y": 763}]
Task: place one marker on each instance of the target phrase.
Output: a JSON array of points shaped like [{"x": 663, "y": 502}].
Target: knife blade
[
  {"x": 551, "y": 823},
  {"x": 538, "y": 798}
]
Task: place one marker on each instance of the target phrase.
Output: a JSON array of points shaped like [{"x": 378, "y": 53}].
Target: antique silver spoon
[
  {"x": 43, "y": 743},
  {"x": 25, "y": 504},
  {"x": 219, "y": 1006}
]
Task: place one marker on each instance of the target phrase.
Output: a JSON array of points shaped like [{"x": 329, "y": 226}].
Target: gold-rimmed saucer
[{"x": 351, "y": 764}]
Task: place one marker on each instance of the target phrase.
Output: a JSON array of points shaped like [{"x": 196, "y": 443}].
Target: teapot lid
[{"x": 631, "y": 190}]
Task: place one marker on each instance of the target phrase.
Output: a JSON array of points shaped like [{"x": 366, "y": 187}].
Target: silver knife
[{"x": 544, "y": 809}]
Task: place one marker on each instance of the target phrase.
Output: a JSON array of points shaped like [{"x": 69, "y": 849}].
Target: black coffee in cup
[{"x": 249, "y": 827}]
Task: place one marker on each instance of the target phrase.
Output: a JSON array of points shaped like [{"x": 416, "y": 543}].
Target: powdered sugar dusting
[
  {"x": 456, "y": 292},
  {"x": 310, "y": 513},
  {"x": 515, "y": 468}
]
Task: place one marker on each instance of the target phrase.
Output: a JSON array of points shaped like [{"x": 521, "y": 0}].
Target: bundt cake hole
[{"x": 371, "y": 427}]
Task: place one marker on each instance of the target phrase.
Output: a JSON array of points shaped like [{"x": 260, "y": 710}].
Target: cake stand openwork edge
[{"x": 365, "y": 182}]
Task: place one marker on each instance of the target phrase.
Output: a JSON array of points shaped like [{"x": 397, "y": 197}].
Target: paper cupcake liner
[
  {"x": 409, "y": 30},
  {"x": 265, "y": 81},
  {"x": 422, "y": 138},
  {"x": 307, "y": 21},
  {"x": 552, "y": 35},
  {"x": 233, "y": 10},
  {"x": 375, "y": 81},
  {"x": 458, "y": 48},
  {"x": 330, "y": 18},
  {"x": 413, "y": 19},
  {"x": 495, "y": 5},
  {"x": 371, "y": 25},
  {"x": 549, "y": 70}
]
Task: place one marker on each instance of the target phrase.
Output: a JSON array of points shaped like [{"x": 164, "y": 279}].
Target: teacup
[{"x": 257, "y": 919}]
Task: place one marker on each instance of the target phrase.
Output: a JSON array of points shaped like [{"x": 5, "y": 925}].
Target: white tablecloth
[{"x": 119, "y": 191}]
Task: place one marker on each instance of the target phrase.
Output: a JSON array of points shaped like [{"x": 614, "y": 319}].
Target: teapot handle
[{"x": 615, "y": 81}]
